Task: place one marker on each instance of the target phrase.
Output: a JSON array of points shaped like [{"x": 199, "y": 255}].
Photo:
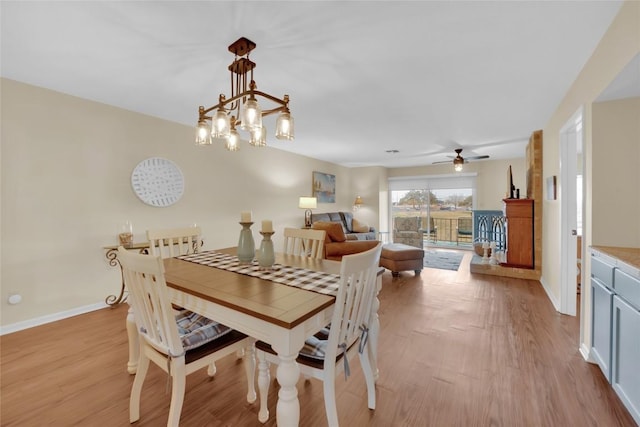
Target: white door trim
[{"x": 570, "y": 135}]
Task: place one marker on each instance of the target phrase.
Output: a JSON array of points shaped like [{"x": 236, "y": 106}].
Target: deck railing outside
[
  {"x": 487, "y": 225},
  {"x": 446, "y": 231}
]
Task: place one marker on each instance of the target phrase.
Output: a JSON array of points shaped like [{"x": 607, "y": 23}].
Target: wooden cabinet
[{"x": 519, "y": 225}]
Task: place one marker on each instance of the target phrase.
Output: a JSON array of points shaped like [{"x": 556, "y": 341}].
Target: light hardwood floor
[{"x": 456, "y": 349}]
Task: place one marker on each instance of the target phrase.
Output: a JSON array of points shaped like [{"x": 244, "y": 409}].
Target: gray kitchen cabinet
[
  {"x": 601, "y": 311},
  {"x": 625, "y": 349}
]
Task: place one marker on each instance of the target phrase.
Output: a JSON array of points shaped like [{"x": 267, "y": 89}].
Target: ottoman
[{"x": 400, "y": 257}]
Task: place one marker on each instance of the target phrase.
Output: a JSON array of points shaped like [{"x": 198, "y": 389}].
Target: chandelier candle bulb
[
  {"x": 267, "y": 226},
  {"x": 245, "y": 216}
]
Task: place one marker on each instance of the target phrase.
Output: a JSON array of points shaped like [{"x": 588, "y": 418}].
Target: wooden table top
[{"x": 276, "y": 303}]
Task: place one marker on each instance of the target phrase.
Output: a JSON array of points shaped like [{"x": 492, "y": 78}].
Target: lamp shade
[
  {"x": 358, "y": 201},
  {"x": 308, "y": 203}
]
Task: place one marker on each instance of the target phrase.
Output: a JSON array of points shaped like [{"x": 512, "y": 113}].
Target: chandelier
[{"x": 221, "y": 121}]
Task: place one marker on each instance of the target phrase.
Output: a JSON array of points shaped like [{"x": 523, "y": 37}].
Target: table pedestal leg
[
  {"x": 134, "y": 345},
  {"x": 288, "y": 408}
]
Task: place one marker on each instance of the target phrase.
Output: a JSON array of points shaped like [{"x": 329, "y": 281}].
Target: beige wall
[
  {"x": 616, "y": 49},
  {"x": 66, "y": 168},
  {"x": 365, "y": 182},
  {"x": 615, "y": 183},
  {"x": 491, "y": 178}
]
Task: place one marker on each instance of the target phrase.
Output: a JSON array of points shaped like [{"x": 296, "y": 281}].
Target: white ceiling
[{"x": 421, "y": 77}]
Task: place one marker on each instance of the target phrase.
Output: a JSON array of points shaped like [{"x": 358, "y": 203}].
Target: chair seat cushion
[
  {"x": 313, "y": 351},
  {"x": 196, "y": 330},
  {"x": 314, "y": 348}
]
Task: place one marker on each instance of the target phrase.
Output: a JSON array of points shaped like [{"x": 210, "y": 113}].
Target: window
[{"x": 440, "y": 201}]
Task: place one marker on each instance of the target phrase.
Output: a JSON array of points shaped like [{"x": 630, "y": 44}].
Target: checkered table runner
[{"x": 317, "y": 281}]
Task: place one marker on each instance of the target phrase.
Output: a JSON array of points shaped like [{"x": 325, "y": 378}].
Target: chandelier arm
[
  {"x": 271, "y": 98},
  {"x": 274, "y": 110},
  {"x": 284, "y": 104}
]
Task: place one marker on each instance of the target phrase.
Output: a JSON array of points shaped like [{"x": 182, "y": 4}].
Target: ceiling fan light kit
[{"x": 458, "y": 160}]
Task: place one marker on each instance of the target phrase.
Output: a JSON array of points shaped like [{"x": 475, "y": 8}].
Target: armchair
[{"x": 407, "y": 230}]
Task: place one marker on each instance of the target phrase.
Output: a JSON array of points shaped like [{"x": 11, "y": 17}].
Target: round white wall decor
[{"x": 157, "y": 182}]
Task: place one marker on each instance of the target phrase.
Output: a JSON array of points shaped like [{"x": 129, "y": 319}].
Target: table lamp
[{"x": 307, "y": 203}]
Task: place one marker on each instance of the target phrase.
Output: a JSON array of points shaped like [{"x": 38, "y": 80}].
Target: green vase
[{"x": 246, "y": 244}]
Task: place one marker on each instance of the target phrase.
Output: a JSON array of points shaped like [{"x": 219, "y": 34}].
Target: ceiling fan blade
[
  {"x": 477, "y": 157},
  {"x": 446, "y": 161}
]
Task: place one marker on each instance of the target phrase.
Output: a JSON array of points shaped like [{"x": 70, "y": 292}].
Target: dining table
[{"x": 267, "y": 309}]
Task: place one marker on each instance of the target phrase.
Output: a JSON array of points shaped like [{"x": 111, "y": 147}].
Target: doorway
[{"x": 571, "y": 209}]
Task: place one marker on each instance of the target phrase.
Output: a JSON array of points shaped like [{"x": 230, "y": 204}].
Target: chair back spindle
[
  {"x": 169, "y": 243},
  {"x": 304, "y": 242}
]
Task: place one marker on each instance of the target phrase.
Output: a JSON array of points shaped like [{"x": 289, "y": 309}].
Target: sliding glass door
[{"x": 442, "y": 207}]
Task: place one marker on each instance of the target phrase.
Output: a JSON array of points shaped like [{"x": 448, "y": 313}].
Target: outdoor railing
[
  {"x": 487, "y": 226},
  {"x": 445, "y": 231}
]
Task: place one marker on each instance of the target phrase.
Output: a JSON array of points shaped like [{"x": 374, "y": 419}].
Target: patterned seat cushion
[
  {"x": 196, "y": 330},
  {"x": 314, "y": 348}
]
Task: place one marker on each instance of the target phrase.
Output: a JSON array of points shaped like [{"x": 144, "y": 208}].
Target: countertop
[{"x": 629, "y": 258}]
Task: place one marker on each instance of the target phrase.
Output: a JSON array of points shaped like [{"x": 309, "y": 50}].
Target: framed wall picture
[{"x": 324, "y": 187}]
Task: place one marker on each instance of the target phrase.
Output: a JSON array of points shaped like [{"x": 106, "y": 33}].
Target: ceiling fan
[{"x": 458, "y": 160}]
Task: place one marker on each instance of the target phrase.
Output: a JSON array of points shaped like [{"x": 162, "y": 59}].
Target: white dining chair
[
  {"x": 329, "y": 352},
  {"x": 179, "y": 343},
  {"x": 304, "y": 242},
  {"x": 172, "y": 242}
]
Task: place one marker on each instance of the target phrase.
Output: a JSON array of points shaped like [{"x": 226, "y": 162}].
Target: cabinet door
[
  {"x": 519, "y": 227},
  {"x": 602, "y": 300},
  {"x": 625, "y": 373}
]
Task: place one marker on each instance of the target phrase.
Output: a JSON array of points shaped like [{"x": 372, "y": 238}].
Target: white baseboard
[
  {"x": 586, "y": 354},
  {"x": 19, "y": 326},
  {"x": 552, "y": 298}
]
